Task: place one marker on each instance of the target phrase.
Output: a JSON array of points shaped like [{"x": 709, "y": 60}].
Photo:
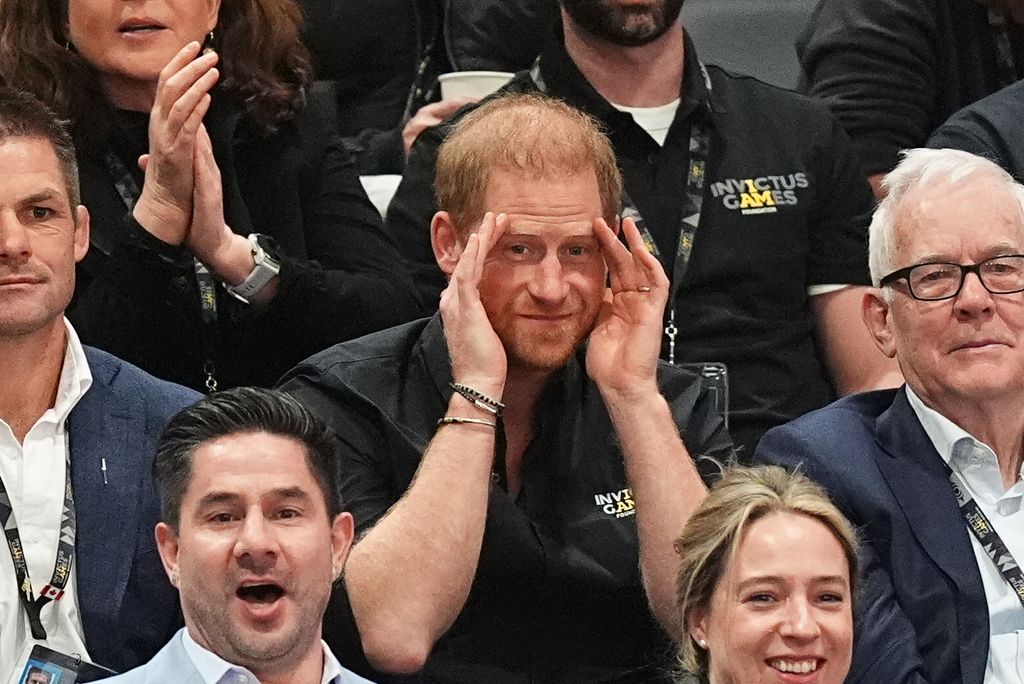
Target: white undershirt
[
  {"x": 656, "y": 121},
  {"x": 33, "y": 475},
  {"x": 978, "y": 468}
]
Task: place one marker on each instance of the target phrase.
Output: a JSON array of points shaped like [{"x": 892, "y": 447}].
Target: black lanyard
[
  {"x": 1006, "y": 68},
  {"x": 700, "y": 143},
  {"x": 129, "y": 191},
  {"x": 61, "y": 568},
  {"x": 987, "y": 536}
]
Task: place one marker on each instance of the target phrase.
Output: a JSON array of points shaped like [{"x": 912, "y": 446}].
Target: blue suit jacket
[
  {"x": 921, "y": 615},
  {"x": 172, "y": 664},
  {"x": 128, "y": 608}
]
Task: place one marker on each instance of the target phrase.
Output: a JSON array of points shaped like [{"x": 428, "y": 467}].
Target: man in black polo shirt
[
  {"x": 780, "y": 251},
  {"x": 893, "y": 70},
  {"x": 516, "y": 491}
]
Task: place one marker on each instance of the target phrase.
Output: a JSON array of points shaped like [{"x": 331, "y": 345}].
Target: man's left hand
[{"x": 622, "y": 357}]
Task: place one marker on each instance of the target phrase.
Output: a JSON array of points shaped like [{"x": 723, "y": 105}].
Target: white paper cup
[{"x": 477, "y": 84}]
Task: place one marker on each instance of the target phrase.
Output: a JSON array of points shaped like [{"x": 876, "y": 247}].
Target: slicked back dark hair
[
  {"x": 23, "y": 116},
  {"x": 237, "y": 411}
]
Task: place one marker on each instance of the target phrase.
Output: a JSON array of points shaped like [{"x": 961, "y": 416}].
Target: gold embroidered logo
[{"x": 761, "y": 195}]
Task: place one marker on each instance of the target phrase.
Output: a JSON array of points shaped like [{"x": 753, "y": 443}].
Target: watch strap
[{"x": 266, "y": 269}]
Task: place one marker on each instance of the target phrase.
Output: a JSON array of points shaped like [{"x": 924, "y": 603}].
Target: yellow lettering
[{"x": 757, "y": 199}]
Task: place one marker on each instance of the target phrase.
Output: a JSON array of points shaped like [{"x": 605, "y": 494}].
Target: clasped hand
[{"x": 182, "y": 198}]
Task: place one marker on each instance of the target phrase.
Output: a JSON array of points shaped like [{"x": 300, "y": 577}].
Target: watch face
[{"x": 269, "y": 246}]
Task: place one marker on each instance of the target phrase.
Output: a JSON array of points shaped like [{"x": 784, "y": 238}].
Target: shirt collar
[
  {"x": 213, "y": 669},
  {"x": 947, "y": 437},
  {"x": 75, "y": 376},
  {"x": 558, "y": 69}
]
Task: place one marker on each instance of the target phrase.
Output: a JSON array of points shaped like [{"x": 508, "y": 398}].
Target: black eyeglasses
[{"x": 934, "y": 281}]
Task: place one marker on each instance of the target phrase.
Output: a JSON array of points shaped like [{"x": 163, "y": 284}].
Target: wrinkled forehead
[{"x": 958, "y": 222}]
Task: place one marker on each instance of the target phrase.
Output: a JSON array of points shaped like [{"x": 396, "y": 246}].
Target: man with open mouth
[{"x": 253, "y": 536}]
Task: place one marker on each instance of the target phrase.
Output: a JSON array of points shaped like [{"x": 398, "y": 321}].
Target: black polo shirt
[
  {"x": 785, "y": 208},
  {"x": 557, "y": 596}
]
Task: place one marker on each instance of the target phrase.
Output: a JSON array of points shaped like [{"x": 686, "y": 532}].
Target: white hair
[{"x": 922, "y": 167}]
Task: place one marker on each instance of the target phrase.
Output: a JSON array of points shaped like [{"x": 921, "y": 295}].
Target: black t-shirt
[
  {"x": 893, "y": 70},
  {"x": 785, "y": 208},
  {"x": 992, "y": 128},
  {"x": 557, "y": 596}
]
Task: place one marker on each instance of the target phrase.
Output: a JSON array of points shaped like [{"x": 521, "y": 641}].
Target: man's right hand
[
  {"x": 182, "y": 100},
  {"x": 478, "y": 357}
]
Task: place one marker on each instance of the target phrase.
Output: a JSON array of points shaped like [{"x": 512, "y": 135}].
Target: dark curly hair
[{"x": 263, "y": 61}]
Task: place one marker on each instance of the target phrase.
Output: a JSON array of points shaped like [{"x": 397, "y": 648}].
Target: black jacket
[
  {"x": 137, "y": 297},
  {"x": 893, "y": 70},
  {"x": 385, "y": 56}
]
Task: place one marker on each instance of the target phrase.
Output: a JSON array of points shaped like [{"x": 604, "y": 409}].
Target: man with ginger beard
[
  {"x": 253, "y": 534},
  {"x": 747, "y": 193},
  {"x": 514, "y": 464}
]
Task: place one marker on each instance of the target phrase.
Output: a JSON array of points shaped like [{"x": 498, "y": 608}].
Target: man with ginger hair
[
  {"x": 748, "y": 194},
  {"x": 517, "y": 487}
]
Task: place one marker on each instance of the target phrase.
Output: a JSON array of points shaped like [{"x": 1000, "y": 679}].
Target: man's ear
[
  {"x": 81, "y": 232},
  {"x": 167, "y": 545},
  {"x": 342, "y": 533},
  {"x": 445, "y": 241},
  {"x": 876, "y": 311}
]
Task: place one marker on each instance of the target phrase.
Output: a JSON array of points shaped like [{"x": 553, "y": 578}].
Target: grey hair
[{"x": 921, "y": 167}]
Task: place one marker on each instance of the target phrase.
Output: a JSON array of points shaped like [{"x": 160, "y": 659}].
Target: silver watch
[{"x": 268, "y": 265}]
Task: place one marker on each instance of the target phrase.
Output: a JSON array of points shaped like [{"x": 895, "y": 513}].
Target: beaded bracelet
[
  {"x": 479, "y": 399},
  {"x": 457, "y": 420}
]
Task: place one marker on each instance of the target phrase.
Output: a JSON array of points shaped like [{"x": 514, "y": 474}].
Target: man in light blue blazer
[
  {"x": 253, "y": 535},
  {"x": 78, "y": 428}
]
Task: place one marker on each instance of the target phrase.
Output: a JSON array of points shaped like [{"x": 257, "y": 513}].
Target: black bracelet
[{"x": 479, "y": 399}]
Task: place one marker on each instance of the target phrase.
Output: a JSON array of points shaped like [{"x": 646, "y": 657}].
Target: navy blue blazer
[
  {"x": 129, "y": 609},
  {"x": 921, "y": 615}
]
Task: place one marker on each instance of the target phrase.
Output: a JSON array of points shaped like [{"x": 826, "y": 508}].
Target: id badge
[{"x": 46, "y": 666}]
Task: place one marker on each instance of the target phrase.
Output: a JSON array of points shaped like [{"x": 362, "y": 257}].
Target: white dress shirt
[
  {"x": 215, "y": 670},
  {"x": 33, "y": 474},
  {"x": 978, "y": 468}
]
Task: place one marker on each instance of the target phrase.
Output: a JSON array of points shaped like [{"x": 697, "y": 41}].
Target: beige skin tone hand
[
  {"x": 431, "y": 115},
  {"x": 181, "y": 201},
  {"x": 478, "y": 357},
  {"x": 623, "y": 352},
  {"x": 182, "y": 100}
]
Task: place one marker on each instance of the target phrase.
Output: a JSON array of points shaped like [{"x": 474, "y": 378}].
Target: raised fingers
[
  {"x": 652, "y": 270},
  {"x": 621, "y": 271},
  {"x": 182, "y": 96}
]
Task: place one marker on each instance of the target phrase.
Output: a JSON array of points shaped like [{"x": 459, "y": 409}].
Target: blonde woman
[{"x": 766, "y": 583}]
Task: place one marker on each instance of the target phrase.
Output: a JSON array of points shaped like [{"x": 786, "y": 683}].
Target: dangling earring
[{"x": 208, "y": 48}]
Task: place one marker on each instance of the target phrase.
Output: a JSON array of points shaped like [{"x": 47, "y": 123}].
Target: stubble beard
[
  {"x": 625, "y": 26},
  {"x": 247, "y": 647}
]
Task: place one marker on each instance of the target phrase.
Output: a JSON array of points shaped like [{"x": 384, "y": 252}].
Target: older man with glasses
[{"x": 931, "y": 472}]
